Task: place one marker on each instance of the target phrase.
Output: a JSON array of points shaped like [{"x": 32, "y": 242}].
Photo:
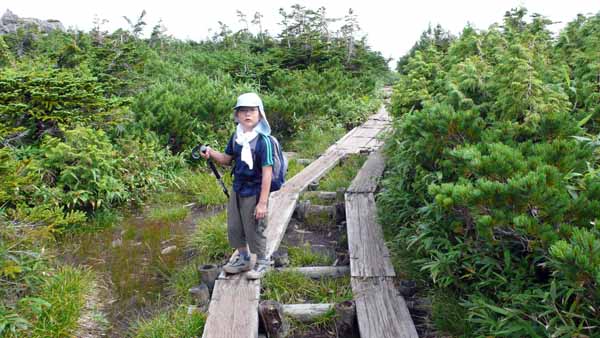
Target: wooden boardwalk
[
  {"x": 232, "y": 312},
  {"x": 380, "y": 309}
]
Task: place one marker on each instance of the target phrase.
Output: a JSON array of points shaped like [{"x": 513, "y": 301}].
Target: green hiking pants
[{"x": 242, "y": 226}]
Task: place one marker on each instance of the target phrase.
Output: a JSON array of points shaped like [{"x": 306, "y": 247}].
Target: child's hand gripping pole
[{"x": 211, "y": 164}]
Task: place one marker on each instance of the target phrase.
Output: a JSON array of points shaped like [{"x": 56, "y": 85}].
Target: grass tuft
[
  {"x": 315, "y": 139},
  {"x": 293, "y": 168},
  {"x": 54, "y": 312},
  {"x": 203, "y": 185},
  {"x": 303, "y": 256},
  {"x": 168, "y": 214},
  {"x": 342, "y": 175},
  {"x": 324, "y": 322},
  {"x": 448, "y": 315},
  {"x": 198, "y": 186},
  {"x": 182, "y": 280},
  {"x": 210, "y": 238},
  {"x": 289, "y": 287},
  {"x": 175, "y": 323},
  {"x": 103, "y": 219}
]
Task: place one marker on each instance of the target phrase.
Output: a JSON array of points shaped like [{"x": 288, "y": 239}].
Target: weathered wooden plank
[
  {"x": 232, "y": 310},
  {"x": 306, "y": 312},
  {"x": 381, "y": 114},
  {"x": 346, "y": 136},
  {"x": 318, "y": 272},
  {"x": 374, "y": 143},
  {"x": 381, "y": 310},
  {"x": 375, "y": 123},
  {"x": 354, "y": 145},
  {"x": 313, "y": 172},
  {"x": 367, "y": 132},
  {"x": 369, "y": 257},
  {"x": 281, "y": 208},
  {"x": 367, "y": 178}
]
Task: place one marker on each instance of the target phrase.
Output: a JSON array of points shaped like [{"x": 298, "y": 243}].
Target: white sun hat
[{"x": 253, "y": 100}]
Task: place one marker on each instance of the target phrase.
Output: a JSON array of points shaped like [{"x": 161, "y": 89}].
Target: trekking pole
[{"x": 212, "y": 166}]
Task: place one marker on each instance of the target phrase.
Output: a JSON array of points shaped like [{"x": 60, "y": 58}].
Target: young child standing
[{"x": 252, "y": 173}]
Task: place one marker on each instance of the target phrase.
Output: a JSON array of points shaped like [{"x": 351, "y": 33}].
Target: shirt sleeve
[
  {"x": 266, "y": 156},
  {"x": 229, "y": 148}
]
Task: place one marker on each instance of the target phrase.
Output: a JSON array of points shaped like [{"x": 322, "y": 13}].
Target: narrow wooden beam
[
  {"x": 381, "y": 310},
  {"x": 369, "y": 257},
  {"x": 233, "y": 309},
  {"x": 367, "y": 179},
  {"x": 306, "y": 312},
  {"x": 318, "y": 272}
]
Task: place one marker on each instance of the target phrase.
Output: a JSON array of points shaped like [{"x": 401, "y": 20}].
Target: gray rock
[
  {"x": 10, "y": 23},
  {"x": 168, "y": 250},
  {"x": 9, "y": 18},
  {"x": 116, "y": 243}
]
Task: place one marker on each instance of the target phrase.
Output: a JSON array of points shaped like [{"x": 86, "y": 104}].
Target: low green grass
[
  {"x": 303, "y": 256},
  {"x": 175, "y": 323},
  {"x": 314, "y": 140},
  {"x": 293, "y": 168},
  {"x": 205, "y": 188},
  {"x": 447, "y": 316},
  {"x": 199, "y": 186},
  {"x": 316, "y": 200},
  {"x": 105, "y": 218},
  {"x": 55, "y": 310},
  {"x": 209, "y": 240},
  {"x": 290, "y": 287},
  {"x": 324, "y": 322},
  {"x": 342, "y": 175},
  {"x": 182, "y": 280},
  {"x": 164, "y": 214},
  {"x": 170, "y": 197}
]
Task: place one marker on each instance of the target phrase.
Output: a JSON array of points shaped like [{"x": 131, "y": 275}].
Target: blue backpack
[{"x": 280, "y": 161}]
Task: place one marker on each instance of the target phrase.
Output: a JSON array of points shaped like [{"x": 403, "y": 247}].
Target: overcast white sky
[{"x": 392, "y": 27}]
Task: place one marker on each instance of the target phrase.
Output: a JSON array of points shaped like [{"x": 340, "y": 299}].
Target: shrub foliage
[{"x": 493, "y": 166}]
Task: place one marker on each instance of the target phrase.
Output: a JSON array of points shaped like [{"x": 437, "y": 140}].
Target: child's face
[{"x": 248, "y": 117}]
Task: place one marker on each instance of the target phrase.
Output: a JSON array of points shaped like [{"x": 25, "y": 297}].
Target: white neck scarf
[{"x": 244, "y": 139}]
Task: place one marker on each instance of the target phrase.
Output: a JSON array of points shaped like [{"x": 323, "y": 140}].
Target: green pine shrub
[
  {"x": 36, "y": 102},
  {"x": 89, "y": 122},
  {"x": 492, "y": 180}
]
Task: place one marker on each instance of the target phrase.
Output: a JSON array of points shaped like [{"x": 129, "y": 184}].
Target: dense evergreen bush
[
  {"x": 496, "y": 178},
  {"x": 92, "y": 121}
]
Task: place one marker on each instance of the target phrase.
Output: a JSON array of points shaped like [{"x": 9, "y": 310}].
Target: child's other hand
[
  {"x": 206, "y": 154},
  {"x": 261, "y": 210}
]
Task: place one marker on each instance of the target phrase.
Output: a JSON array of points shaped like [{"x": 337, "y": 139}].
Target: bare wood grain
[
  {"x": 381, "y": 310},
  {"x": 368, "y": 176},
  {"x": 233, "y": 309},
  {"x": 369, "y": 257}
]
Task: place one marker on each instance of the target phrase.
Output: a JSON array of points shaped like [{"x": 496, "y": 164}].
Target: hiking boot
[
  {"x": 238, "y": 264},
  {"x": 262, "y": 266}
]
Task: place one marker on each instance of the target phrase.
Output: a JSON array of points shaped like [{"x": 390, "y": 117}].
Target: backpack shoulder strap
[
  {"x": 269, "y": 146},
  {"x": 254, "y": 142}
]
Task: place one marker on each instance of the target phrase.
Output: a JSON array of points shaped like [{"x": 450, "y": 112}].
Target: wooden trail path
[
  {"x": 232, "y": 311},
  {"x": 380, "y": 309}
]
